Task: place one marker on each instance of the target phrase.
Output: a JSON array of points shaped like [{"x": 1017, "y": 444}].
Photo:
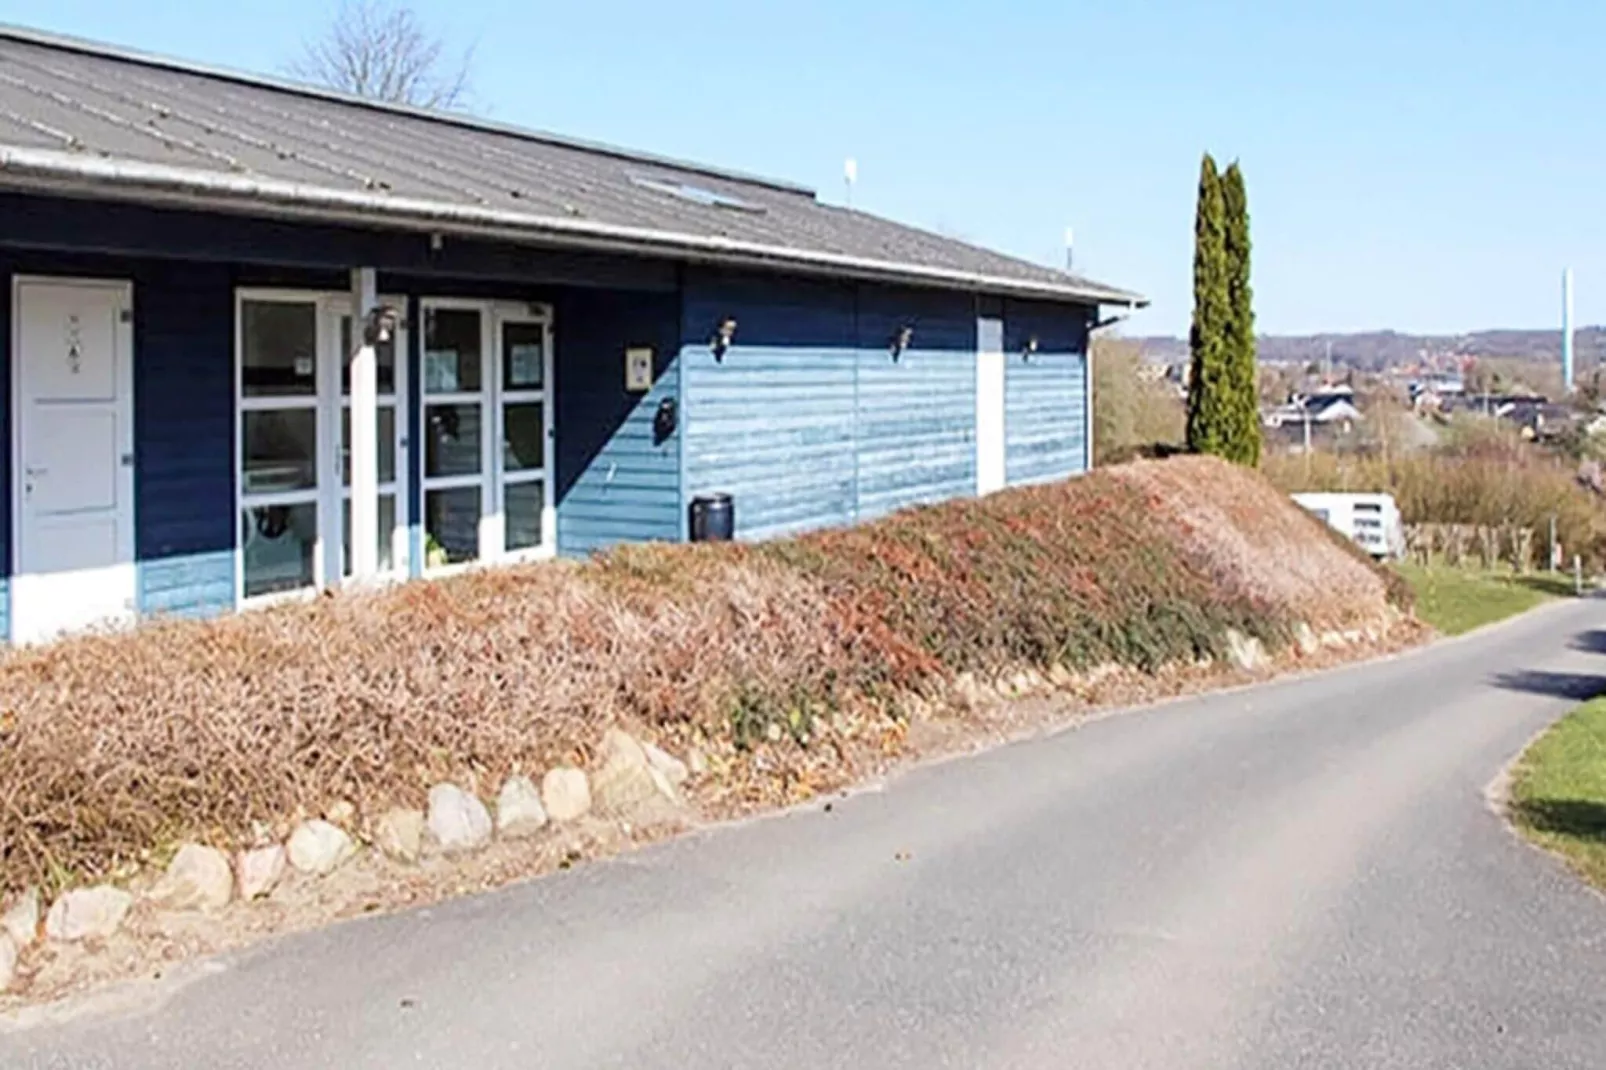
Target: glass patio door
[
  {"x": 488, "y": 438},
  {"x": 293, "y": 396}
]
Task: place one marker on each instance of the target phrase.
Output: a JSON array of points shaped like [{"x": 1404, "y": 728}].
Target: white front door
[
  {"x": 73, "y": 466},
  {"x": 989, "y": 405}
]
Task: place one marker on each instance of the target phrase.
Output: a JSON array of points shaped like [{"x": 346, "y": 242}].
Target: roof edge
[
  {"x": 164, "y": 183},
  {"x": 66, "y": 42}
]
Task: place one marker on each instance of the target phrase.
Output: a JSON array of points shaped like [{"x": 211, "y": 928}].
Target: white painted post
[{"x": 364, "y": 443}]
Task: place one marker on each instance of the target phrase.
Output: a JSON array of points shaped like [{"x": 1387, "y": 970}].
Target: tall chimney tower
[{"x": 1567, "y": 330}]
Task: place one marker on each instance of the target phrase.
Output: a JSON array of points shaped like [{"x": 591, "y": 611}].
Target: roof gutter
[{"x": 162, "y": 182}]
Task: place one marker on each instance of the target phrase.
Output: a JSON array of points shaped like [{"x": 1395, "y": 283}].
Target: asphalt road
[{"x": 1302, "y": 875}]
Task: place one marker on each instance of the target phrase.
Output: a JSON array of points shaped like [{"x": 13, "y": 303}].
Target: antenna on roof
[
  {"x": 1070, "y": 249},
  {"x": 850, "y": 175}
]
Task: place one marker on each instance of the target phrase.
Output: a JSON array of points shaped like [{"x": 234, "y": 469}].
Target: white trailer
[{"x": 1372, "y": 520}]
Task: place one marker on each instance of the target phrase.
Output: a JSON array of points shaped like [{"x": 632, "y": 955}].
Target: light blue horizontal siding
[
  {"x": 810, "y": 420},
  {"x": 772, "y": 422},
  {"x": 1045, "y": 392},
  {"x": 194, "y": 586},
  {"x": 916, "y": 414},
  {"x": 618, "y": 480},
  {"x": 777, "y": 438},
  {"x": 1044, "y": 417}
]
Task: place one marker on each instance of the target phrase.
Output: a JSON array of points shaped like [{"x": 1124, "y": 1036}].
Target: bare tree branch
[{"x": 377, "y": 49}]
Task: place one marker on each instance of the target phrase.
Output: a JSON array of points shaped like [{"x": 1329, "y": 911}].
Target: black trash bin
[{"x": 713, "y": 518}]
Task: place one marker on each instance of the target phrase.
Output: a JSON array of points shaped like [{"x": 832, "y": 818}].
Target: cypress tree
[
  {"x": 1210, "y": 413},
  {"x": 1239, "y": 332}
]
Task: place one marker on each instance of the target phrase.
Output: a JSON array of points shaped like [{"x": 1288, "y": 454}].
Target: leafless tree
[{"x": 378, "y": 49}]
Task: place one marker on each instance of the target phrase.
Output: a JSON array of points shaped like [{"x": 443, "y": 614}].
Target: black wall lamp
[
  {"x": 1031, "y": 348},
  {"x": 724, "y": 334},
  {"x": 379, "y": 326},
  {"x": 901, "y": 339}
]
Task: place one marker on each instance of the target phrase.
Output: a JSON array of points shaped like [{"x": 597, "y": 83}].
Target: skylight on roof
[{"x": 695, "y": 194}]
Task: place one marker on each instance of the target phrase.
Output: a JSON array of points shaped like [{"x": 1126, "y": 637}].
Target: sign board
[{"x": 638, "y": 369}]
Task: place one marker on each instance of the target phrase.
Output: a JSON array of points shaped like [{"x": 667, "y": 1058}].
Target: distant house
[{"x": 264, "y": 340}]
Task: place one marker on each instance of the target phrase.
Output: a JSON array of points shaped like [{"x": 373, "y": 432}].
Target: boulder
[
  {"x": 400, "y": 834},
  {"x": 566, "y": 793},
  {"x": 21, "y": 920},
  {"x": 457, "y": 820},
  {"x": 519, "y": 811},
  {"x": 318, "y": 848},
  {"x": 198, "y": 878},
  {"x": 1305, "y": 639},
  {"x": 8, "y": 962},
  {"x": 87, "y": 914},
  {"x": 1245, "y": 652},
  {"x": 260, "y": 871},
  {"x": 673, "y": 769},
  {"x": 625, "y": 779}
]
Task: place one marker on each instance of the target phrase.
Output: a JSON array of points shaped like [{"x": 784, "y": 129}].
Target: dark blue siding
[
  {"x": 1045, "y": 393},
  {"x": 184, "y": 439},
  {"x": 5, "y": 447},
  {"x": 617, "y": 479},
  {"x": 772, "y": 423},
  {"x": 916, "y": 415}
]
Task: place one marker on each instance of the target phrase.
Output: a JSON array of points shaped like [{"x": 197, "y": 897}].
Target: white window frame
[
  {"x": 492, "y": 397},
  {"x": 523, "y": 315},
  {"x": 329, "y": 492}
]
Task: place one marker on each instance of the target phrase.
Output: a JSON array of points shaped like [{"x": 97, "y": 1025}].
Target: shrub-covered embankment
[{"x": 785, "y": 663}]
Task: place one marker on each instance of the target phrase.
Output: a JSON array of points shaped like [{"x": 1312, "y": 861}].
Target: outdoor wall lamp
[
  {"x": 1031, "y": 347},
  {"x": 901, "y": 339},
  {"x": 723, "y": 336},
  {"x": 380, "y": 324}
]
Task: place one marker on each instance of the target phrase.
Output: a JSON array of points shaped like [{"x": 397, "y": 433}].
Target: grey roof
[{"x": 82, "y": 117}]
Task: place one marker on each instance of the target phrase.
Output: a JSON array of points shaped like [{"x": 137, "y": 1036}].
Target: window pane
[
  {"x": 452, "y": 445},
  {"x": 523, "y": 437},
  {"x": 278, "y": 348},
  {"x": 451, "y": 526},
  {"x": 452, "y": 350},
  {"x": 387, "y": 445},
  {"x": 384, "y": 355},
  {"x": 523, "y": 503},
  {"x": 523, "y": 356},
  {"x": 387, "y": 527},
  {"x": 279, "y": 543},
  {"x": 280, "y": 451}
]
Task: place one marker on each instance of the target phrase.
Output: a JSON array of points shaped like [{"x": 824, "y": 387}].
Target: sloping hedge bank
[{"x": 111, "y": 746}]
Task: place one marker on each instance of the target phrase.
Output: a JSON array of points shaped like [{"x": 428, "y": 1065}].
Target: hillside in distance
[{"x": 1377, "y": 350}]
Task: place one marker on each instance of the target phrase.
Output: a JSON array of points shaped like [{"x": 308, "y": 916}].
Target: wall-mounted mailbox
[
  {"x": 638, "y": 369},
  {"x": 664, "y": 421}
]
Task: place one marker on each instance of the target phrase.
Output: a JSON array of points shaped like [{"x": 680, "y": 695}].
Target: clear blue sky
[{"x": 1416, "y": 164}]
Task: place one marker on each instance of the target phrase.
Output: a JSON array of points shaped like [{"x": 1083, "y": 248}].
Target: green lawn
[
  {"x": 1558, "y": 795},
  {"x": 1457, "y": 600}
]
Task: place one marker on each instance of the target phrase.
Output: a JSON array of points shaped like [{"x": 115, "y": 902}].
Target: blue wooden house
[{"x": 262, "y": 340}]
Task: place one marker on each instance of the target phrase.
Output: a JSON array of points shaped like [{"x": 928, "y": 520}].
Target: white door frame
[
  {"x": 124, "y": 373},
  {"x": 327, "y": 402},
  {"x": 491, "y": 397},
  {"x": 992, "y": 463},
  {"x": 502, "y": 315}
]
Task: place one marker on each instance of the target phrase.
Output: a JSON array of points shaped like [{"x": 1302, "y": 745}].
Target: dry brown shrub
[
  {"x": 1251, "y": 541},
  {"x": 790, "y": 662}
]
